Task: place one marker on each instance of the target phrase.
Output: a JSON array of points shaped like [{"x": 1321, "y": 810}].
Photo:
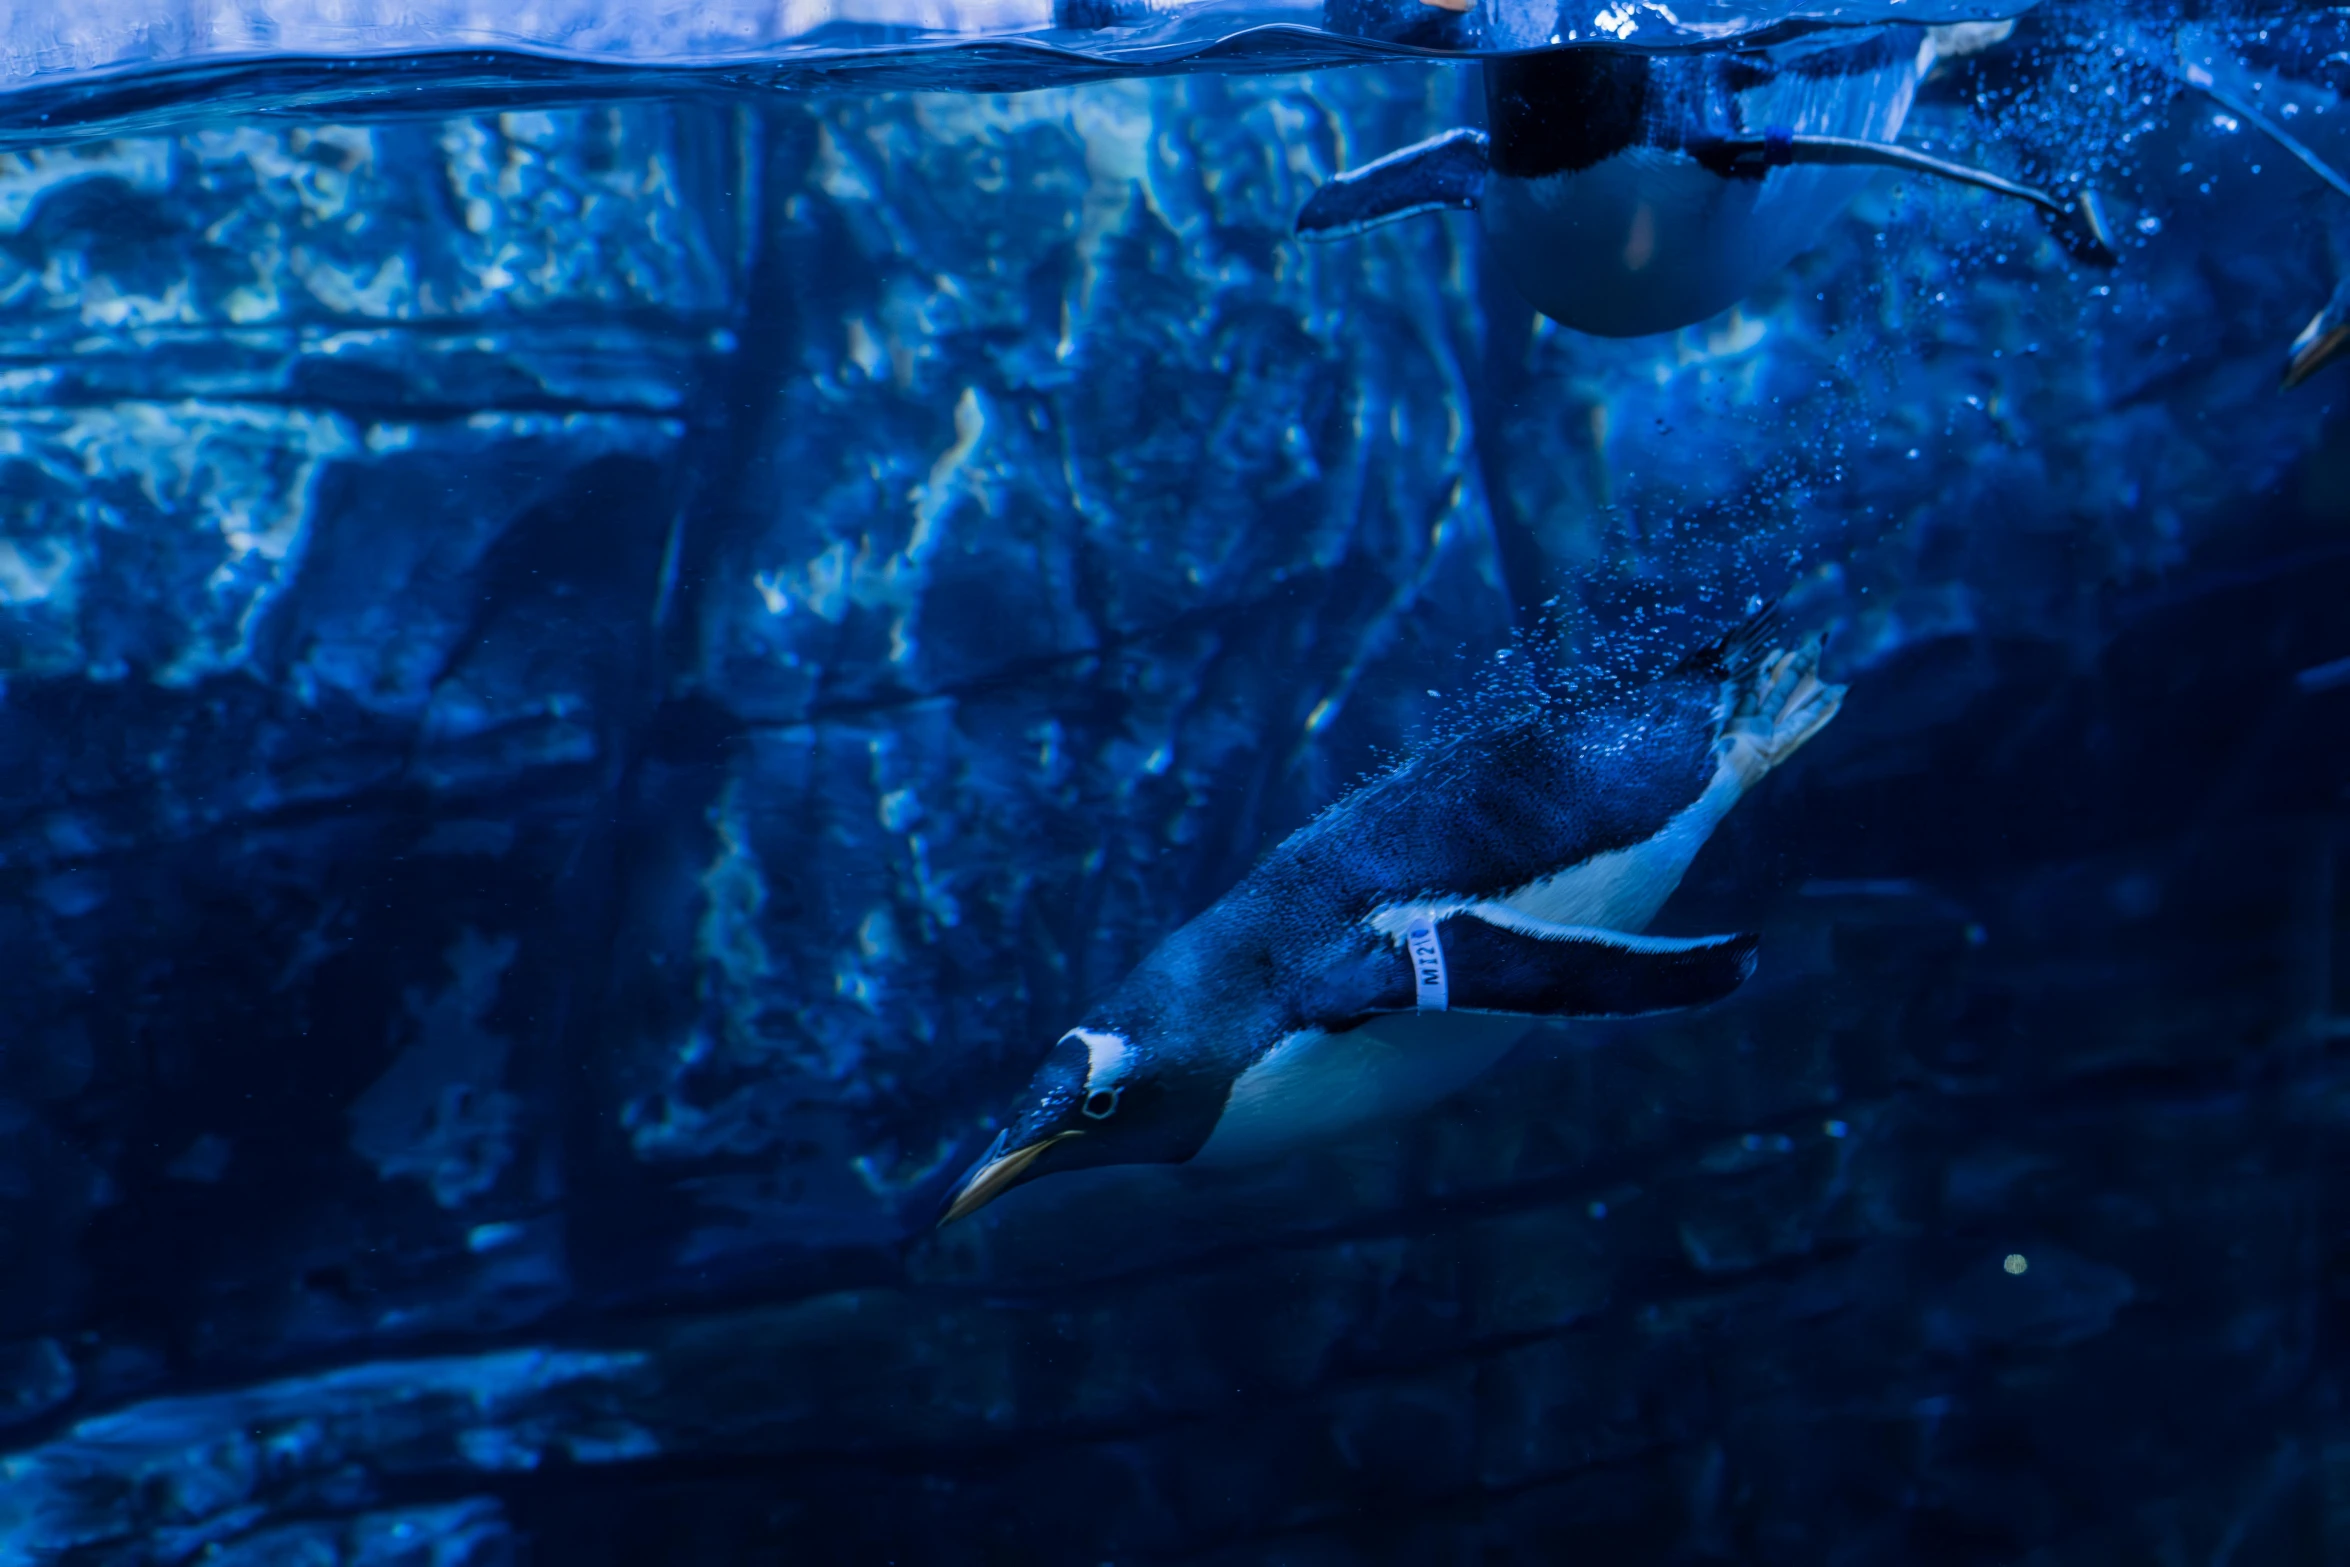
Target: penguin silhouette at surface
[
  {"x": 1400, "y": 943},
  {"x": 1625, "y": 193}
]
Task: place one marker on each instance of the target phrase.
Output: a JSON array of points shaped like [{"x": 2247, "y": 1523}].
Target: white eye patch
[{"x": 1106, "y": 1057}]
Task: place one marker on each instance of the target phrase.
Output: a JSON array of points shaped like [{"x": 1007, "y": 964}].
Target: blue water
[{"x": 612, "y": 619}]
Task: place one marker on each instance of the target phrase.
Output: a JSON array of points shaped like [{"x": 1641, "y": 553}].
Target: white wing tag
[{"x": 1427, "y": 965}]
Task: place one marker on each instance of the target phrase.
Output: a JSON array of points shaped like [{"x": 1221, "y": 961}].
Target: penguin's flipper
[
  {"x": 1508, "y": 963},
  {"x": 2079, "y": 224},
  {"x": 2324, "y": 340},
  {"x": 1443, "y": 173},
  {"x": 1488, "y": 957}
]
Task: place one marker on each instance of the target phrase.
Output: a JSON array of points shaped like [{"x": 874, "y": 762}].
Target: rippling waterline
[{"x": 59, "y": 76}]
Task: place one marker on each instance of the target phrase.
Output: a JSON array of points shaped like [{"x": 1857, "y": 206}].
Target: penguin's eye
[{"x": 1101, "y": 1103}]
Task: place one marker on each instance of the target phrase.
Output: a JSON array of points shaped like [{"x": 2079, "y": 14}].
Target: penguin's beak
[
  {"x": 2321, "y": 342},
  {"x": 994, "y": 1175}
]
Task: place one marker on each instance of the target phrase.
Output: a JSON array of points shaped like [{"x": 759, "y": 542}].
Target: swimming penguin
[
  {"x": 1626, "y": 193},
  {"x": 1400, "y": 943}
]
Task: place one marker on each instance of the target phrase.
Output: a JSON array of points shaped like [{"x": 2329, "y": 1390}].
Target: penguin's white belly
[
  {"x": 1648, "y": 240},
  {"x": 1313, "y": 1085}
]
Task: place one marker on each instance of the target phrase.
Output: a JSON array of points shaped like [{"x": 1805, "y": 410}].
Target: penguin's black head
[{"x": 1096, "y": 1100}]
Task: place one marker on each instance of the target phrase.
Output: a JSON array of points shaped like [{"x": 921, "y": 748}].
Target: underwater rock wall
[{"x": 586, "y": 690}]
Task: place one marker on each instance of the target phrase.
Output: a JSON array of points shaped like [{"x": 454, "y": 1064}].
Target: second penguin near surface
[{"x": 1626, "y": 193}]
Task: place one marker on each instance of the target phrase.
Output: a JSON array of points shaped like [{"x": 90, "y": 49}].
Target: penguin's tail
[
  {"x": 1772, "y": 697},
  {"x": 1738, "y": 650}
]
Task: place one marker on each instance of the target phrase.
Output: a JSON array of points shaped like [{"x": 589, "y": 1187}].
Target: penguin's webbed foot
[{"x": 1776, "y": 706}]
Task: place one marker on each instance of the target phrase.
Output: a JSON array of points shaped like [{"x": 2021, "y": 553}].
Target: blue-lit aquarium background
[{"x": 612, "y": 617}]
